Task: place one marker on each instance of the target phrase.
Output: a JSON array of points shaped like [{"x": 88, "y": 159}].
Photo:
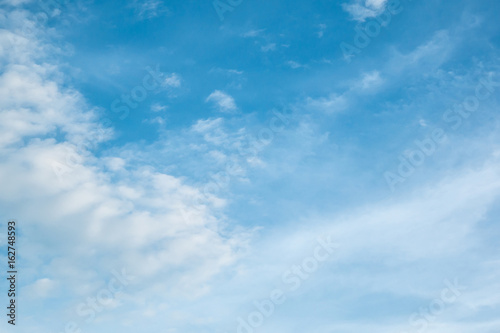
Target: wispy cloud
[
  {"x": 321, "y": 30},
  {"x": 173, "y": 80},
  {"x": 360, "y": 10},
  {"x": 148, "y": 9},
  {"x": 253, "y": 33},
  {"x": 215, "y": 199},
  {"x": 223, "y": 101},
  {"x": 156, "y": 107},
  {"x": 294, "y": 64},
  {"x": 268, "y": 47},
  {"x": 46, "y": 129}
]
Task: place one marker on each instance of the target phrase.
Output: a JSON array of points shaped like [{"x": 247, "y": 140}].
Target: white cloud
[
  {"x": 268, "y": 47},
  {"x": 157, "y": 107},
  {"x": 253, "y": 33},
  {"x": 173, "y": 80},
  {"x": 234, "y": 71},
  {"x": 15, "y": 2},
  {"x": 371, "y": 80},
  {"x": 433, "y": 52},
  {"x": 224, "y": 102},
  {"x": 114, "y": 163},
  {"x": 322, "y": 28},
  {"x": 41, "y": 288},
  {"x": 227, "y": 72},
  {"x": 156, "y": 120},
  {"x": 166, "y": 232},
  {"x": 148, "y": 9},
  {"x": 34, "y": 106},
  {"x": 115, "y": 211},
  {"x": 294, "y": 64},
  {"x": 330, "y": 104},
  {"x": 376, "y": 4},
  {"x": 335, "y": 102},
  {"x": 360, "y": 10}
]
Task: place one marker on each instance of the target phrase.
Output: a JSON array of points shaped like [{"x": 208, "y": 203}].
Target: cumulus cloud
[
  {"x": 370, "y": 80},
  {"x": 87, "y": 215},
  {"x": 223, "y": 101},
  {"x": 360, "y": 10},
  {"x": 173, "y": 80}
]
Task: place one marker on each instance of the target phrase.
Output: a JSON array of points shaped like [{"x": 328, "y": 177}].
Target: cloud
[
  {"x": 295, "y": 65},
  {"x": 224, "y": 102},
  {"x": 15, "y": 2},
  {"x": 377, "y": 4},
  {"x": 431, "y": 53},
  {"x": 227, "y": 72},
  {"x": 368, "y": 83},
  {"x": 156, "y": 120},
  {"x": 41, "y": 288},
  {"x": 202, "y": 257},
  {"x": 33, "y": 106},
  {"x": 322, "y": 28},
  {"x": 360, "y": 10},
  {"x": 157, "y": 107},
  {"x": 330, "y": 104},
  {"x": 173, "y": 80},
  {"x": 148, "y": 9},
  {"x": 253, "y": 33},
  {"x": 165, "y": 231},
  {"x": 371, "y": 80},
  {"x": 268, "y": 47}
]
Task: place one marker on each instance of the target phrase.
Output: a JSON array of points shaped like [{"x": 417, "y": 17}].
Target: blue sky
[{"x": 234, "y": 166}]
